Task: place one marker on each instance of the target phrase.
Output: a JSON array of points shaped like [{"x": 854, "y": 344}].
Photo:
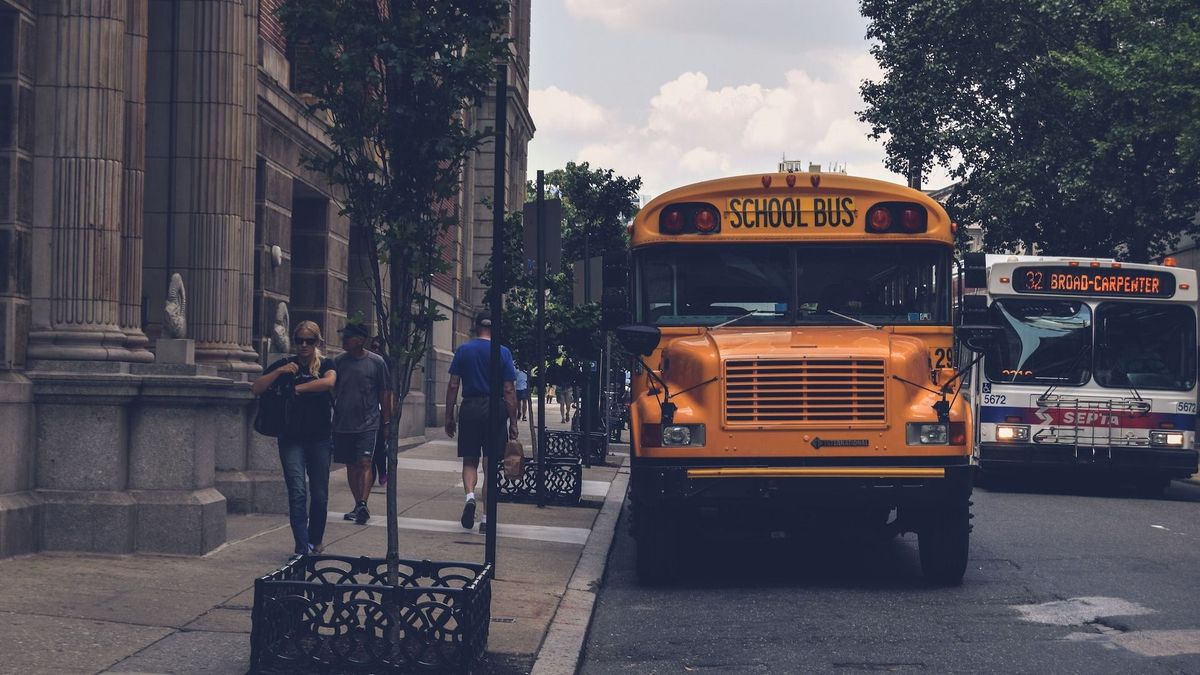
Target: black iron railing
[{"x": 327, "y": 613}]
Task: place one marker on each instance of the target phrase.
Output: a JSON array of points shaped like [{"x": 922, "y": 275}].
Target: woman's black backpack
[{"x": 273, "y": 408}]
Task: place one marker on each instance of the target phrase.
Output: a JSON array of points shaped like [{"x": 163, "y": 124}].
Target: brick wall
[{"x": 268, "y": 24}]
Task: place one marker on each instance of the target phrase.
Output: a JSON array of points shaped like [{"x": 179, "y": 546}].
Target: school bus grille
[{"x": 805, "y": 392}]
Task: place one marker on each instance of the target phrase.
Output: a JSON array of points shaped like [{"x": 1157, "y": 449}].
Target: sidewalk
[{"x": 68, "y": 613}]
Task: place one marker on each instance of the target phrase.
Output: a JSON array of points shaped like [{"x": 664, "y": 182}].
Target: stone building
[{"x": 140, "y": 139}]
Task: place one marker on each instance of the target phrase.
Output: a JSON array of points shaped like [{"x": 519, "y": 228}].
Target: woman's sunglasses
[{"x": 306, "y": 341}]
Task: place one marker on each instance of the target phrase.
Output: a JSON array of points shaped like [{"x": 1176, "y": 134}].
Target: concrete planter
[{"x": 326, "y": 613}]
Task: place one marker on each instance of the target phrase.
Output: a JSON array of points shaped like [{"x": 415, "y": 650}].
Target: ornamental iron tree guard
[{"x": 331, "y": 613}]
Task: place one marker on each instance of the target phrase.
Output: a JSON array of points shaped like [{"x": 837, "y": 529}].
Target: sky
[{"x": 679, "y": 91}]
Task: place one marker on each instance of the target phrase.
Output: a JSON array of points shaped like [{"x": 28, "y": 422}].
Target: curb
[{"x": 563, "y": 644}]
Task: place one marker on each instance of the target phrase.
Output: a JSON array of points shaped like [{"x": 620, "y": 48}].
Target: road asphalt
[{"x": 76, "y": 613}]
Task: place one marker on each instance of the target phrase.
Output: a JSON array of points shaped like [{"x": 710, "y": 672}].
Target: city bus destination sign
[{"x": 1111, "y": 281}]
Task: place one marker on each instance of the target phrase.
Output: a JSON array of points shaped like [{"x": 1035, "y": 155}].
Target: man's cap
[
  {"x": 352, "y": 329},
  {"x": 483, "y": 320}
]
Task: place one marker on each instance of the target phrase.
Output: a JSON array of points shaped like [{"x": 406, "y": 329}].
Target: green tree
[
  {"x": 597, "y": 201},
  {"x": 1070, "y": 123},
  {"x": 392, "y": 78}
]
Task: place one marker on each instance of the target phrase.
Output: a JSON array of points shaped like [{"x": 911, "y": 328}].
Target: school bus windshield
[{"x": 807, "y": 284}]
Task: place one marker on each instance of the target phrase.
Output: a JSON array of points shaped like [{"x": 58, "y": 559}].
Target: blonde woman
[{"x": 305, "y": 446}]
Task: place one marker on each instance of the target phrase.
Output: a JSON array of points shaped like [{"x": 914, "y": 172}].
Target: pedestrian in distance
[
  {"x": 471, "y": 367},
  {"x": 362, "y": 406},
  {"x": 305, "y": 445},
  {"x": 564, "y": 388},
  {"x": 380, "y": 462},
  {"x": 522, "y": 394}
]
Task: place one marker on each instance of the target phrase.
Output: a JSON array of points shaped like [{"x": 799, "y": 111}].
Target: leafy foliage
[
  {"x": 1070, "y": 123},
  {"x": 392, "y": 77},
  {"x": 596, "y": 201}
]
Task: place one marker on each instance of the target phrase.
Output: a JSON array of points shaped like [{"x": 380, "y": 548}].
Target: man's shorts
[
  {"x": 472, "y": 429},
  {"x": 353, "y": 447},
  {"x": 522, "y": 394}
]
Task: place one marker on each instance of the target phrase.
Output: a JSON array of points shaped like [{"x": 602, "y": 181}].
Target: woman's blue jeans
[{"x": 307, "y": 506}]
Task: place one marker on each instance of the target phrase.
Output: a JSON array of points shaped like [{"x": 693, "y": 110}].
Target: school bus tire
[
  {"x": 654, "y": 549},
  {"x": 944, "y": 542}
]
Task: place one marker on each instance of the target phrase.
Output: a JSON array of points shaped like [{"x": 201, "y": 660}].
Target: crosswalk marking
[
  {"x": 591, "y": 488},
  {"x": 563, "y": 535}
]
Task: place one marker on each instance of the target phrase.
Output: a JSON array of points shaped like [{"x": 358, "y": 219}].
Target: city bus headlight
[
  {"x": 921, "y": 433},
  {"x": 1012, "y": 432},
  {"x": 681, "y": 435},
  {"x": 1172, "y": 439}
]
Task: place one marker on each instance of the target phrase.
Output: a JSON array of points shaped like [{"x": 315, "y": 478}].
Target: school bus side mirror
[
  {"x": 979, "y": 338},
  {"x": 975, "y": 270},
  {"x": 641, "y": 339}
]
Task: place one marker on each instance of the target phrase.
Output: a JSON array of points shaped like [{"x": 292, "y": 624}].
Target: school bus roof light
[
  {"x": 912, "y": 219},
  {"x": 766, "y": 181},
  {"x": 791, "y": 180},
  {"x": 706, "y": 221},
  {"x": 672, "y": 221},
  {"x": 1169, "y": 261},
  {"x": 879, "y": 220}
]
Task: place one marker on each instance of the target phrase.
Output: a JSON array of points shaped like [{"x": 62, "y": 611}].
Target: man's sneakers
[
  {"x": 468, "y": 514},
  {"x": 483, "y": 527},
  {"x": 359, "y": 515}
]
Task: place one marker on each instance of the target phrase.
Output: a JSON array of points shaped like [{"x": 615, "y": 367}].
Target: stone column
[
  {"x": 132, "y": 205},
  {"x": 249, "y": 170},
  {"x": 78, "y": 155},
  {"x": 210, "y": 178}
]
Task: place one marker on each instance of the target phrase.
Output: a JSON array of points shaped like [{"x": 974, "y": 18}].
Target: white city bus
[{"x": 1094, "y": 367}]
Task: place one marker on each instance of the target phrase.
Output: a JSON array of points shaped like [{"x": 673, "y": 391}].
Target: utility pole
[{"x": 497, "y": 418}]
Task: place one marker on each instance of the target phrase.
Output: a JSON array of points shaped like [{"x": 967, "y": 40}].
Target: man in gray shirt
[{"x": 362, "y": 404}]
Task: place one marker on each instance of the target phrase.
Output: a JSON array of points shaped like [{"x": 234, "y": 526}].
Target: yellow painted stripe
[{"x": 819, "y": 472}]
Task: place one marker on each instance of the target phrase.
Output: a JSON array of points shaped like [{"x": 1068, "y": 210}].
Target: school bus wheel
[
  {"x": 944, "y": 539},
  {"x": 654, "y": 539}
]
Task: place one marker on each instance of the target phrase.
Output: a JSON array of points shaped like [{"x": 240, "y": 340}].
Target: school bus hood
[{"x": 693, "y": 359}]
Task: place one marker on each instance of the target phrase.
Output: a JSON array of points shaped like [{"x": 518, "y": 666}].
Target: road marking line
[{"x": 562, "y": 535}]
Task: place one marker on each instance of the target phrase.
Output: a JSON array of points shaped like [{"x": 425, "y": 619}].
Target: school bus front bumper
[{"x": 834, "y": 483}]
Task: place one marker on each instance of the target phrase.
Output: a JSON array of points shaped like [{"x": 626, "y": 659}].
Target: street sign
[
  {"x": 553, "y": 250},
  {"x": 596, "y": 264}
]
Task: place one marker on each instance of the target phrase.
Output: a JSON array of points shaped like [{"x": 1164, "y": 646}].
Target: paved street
[{"x": 1076, "y": 580}]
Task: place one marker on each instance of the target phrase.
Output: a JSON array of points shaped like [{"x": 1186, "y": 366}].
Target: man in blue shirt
[{"x": 471, "y": 369}]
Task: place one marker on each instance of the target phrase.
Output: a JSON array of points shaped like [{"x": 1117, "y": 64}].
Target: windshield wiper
[
  {"x": 750, "y": 313},
  {"x": 850, "y": 318}
]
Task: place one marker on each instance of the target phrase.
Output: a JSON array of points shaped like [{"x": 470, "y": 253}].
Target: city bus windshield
[
  {"x": 788, "y": 285},
  {"x": 1046, "y": 341},
  {"x": 1145, "y": 346}
]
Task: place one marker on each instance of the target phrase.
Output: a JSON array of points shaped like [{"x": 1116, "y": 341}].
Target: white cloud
[
  {"x": 556, "y": 111},
  {"x": 691, "y": 130},
  {"x": 618, "y": 13}
]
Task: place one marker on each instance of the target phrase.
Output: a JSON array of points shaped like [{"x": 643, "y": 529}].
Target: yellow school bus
[{"x": 796, "y": 340}]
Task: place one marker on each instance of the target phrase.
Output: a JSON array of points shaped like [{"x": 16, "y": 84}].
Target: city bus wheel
[
  {"x": 944, "y": 542},
  {"x": 653, "y": 538}
]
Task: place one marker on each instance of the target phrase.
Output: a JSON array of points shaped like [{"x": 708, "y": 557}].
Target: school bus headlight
[
  {"x": 1172, "y": 439},
  {"x": 1012, "y": 432},
  {"x": 922, "y": 433},
  {"x": 680, "y": 435}
]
